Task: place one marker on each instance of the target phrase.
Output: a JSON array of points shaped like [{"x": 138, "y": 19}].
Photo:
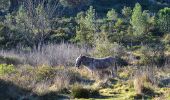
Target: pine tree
[
  {"x": 139, "y": 20},
  {"x": 164, "y": 20},
  {"x": 86, "y": 28},
  {"x": 112, "y": 15}
]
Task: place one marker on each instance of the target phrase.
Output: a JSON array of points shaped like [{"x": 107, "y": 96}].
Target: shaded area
[
  {"x": 165, "y": 82},
  {"x": 10, "y": 91}
]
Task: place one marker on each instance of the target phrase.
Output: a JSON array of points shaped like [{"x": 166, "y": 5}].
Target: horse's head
[{"x": 79, "y": 61}]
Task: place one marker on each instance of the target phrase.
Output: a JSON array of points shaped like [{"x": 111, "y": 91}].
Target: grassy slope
[{"x": 120, "y": 88}]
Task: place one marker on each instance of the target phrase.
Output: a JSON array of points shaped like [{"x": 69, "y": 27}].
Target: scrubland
[{"x": 50, "y": 74}]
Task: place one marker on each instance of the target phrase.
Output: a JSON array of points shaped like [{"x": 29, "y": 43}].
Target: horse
[{"x": 97, "y": 64}]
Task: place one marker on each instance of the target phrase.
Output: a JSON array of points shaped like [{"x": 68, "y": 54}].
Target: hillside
[{"x": 84, "y": 49}]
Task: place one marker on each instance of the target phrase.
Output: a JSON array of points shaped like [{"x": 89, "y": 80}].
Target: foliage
[
  {"x": 166, "y": 39},
  {"x": 152, "y": 56},
  {"x": 32, "y": 25},
  {"x": 112, "y": 15},
  {"x": 139, "y": 20},
  {"x": 127, "y": 11},
  {"x": 4, "y": 5},
  {"x": 85, "y": 31},
  {"x": 44, "y": 73},
  {"x": 105, "y": 48},
  {"x": 164, "y": 19},
  {"x": 79, "y": 91},
  {"x": 6, "y": 69}
]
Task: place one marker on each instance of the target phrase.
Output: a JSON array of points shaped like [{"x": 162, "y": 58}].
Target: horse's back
[{"x": 103, "y": 63}]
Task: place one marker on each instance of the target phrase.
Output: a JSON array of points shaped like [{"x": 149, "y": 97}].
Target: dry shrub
[
  {"x": 84, "y": 72},
  {"x": 138, "y": 85},
  {"x": 63, "y": 79},
  {"x": 43, "y": 79},
  {"x": 142, "y": 82},
  {"x": 44, "y": 72},
  {"x": 41, "y": 88},
  {"x": 52, "y": 55}
]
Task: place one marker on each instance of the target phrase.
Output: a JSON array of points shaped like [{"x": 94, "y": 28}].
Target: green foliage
[
  {"x": 139, "y": 20},
  {"x": 127, "y": 12},
  {"x": 4, "y": 5},
  {"x": 164, "y": 19},
  {"x": 44, "y": 72},
  {"x": 80, "y": 92},
  {"x": 6, "y": 69},
  {"x": 105, "y": 48},
  {"x": 166, "y": 39},
  {"x": 85, "y": 29},
  {"x": 152, "y": 56},
  {"x": 112, "y": 15},
  {"x": 33, "y": 26}
]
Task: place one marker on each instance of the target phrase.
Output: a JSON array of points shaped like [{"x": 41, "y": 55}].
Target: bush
[
  {"x": 143, "y": 85},
  {"x": 138, "y": 86},
  {"x": 6, "y": 69},
  {"x": 166, "y": 39},
  {"x": 80, "y": 92},
  {"x": 44, "y": 72},
  {"x": 105, "y": 48},
  {"x": 151, "y": 56}
]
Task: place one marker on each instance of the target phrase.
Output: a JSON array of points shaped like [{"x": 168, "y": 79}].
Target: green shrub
[
  {"x": 152, "y": 56},
  {"x": 44, "y": 72},
  {"x": 105, "y": 48},
  {"x": 6, "y": 69},
  {"x": 80, "y": 92}
]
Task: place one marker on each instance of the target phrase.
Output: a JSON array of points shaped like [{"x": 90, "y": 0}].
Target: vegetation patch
[
  {"x": 79, "y": 91},
  {"x": 6, "y": 69}
]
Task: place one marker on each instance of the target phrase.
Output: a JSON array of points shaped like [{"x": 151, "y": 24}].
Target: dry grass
[
  {"x": 143, "y": 84},
  {"x": 52, "y": 55},
  {"x": 138, "y": 85}
]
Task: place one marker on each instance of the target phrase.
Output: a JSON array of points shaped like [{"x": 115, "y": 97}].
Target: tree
[
  {"x": 139, "y": 20},
  {"x": 164, "y": 19},
  {"x": 86, "y": 28},
  {"x": 112, "y": 15},
  {"x": 4, "y": 6},
  {"x": 34, "y": 20},
  {"x": 127, "y": 12}
]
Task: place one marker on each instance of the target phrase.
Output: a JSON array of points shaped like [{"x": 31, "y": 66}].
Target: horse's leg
[
  {"x": 112, "y": 72},
  {"x": 116, "y": 70}
]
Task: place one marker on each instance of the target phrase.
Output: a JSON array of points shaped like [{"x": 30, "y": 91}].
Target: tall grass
[{"x": 54, "y": 55}]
